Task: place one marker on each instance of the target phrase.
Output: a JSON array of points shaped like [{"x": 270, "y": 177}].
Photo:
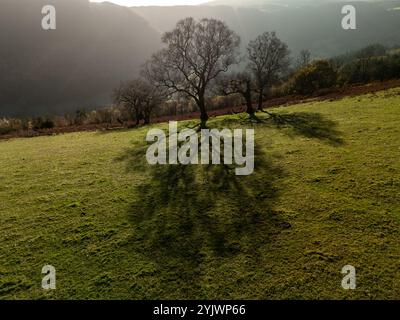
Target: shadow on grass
[
  {"x": 308, "y": 124},
  {"x": 186, "y": 216},
  {"x": 186, "y": 219}
]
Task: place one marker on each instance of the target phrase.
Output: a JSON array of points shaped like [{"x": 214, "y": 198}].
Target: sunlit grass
[{"x": 325, "y": 194}]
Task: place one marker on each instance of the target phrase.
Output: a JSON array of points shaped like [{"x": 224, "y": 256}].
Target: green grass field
[{"x": 325, "y": 194}]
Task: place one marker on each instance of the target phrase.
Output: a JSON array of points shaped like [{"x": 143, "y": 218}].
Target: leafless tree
[
  {"x": 304, "y": 59},
  {"x": 139, "y": 97},
  {"x": 269, "y": 58},
  {"x": 196, "y": 54},
  {"x": 152, "y": 99},
  {"x": 238, "y": 83}
]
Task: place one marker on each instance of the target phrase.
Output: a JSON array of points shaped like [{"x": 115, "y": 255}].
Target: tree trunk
[
  {"x": 250, "y": 110},
  {"x": 203, "y": 113},
  {"x": 147, "y": 118},
  {"x": 260, "y": 100},
  {"x": 137, "y": 118},
  {"x": 249, "y": 100}
]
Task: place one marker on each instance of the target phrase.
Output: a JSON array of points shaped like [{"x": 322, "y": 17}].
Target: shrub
[
  {"x": 318, "y": 75},
  {"x": 6, "y": 130},
  {"x": 80, "y": 117},
  {"x": 372, "y": 69},
  {"x": 40, "y": 123},
  {"x": 47, "y": 124}
]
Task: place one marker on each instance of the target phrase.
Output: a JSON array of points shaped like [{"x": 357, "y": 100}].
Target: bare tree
[
  {"x": 128, "y": 95},
  {"x": 304, "y": 59},
  {"x": 238, "y": 83},
  {"x": 269, "y": 58},
  {"x": 152, "y": 99},
  {"x": 139, "y": 97},
  {"x": 196, "y": 54}
]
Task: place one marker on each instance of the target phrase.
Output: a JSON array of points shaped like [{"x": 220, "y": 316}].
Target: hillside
[
  {"x": 93, "y": 49},
  {"x": 325, "y": 194},
  {"x": 312, "y": 25}
]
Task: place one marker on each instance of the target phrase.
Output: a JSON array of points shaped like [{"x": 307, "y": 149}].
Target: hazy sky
[{"x": 154, "y": 2}]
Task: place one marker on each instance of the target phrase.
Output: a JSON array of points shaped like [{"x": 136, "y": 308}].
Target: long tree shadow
[
  {"x": 308, "y": 124},
  {"x": 183, "y": 216}
]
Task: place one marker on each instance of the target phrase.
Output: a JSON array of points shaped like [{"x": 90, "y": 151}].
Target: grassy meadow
[{"x": 325, "y": 194}]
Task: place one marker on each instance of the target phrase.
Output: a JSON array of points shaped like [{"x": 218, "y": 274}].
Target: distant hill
[
  {"x": 303, "y": 24},
  {"x": 275, "y": 4},
  {"x": 268, "y": 4},
  {"x": 94, "y": 47}
]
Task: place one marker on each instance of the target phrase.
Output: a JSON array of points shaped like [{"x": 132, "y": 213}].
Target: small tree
[
  {"x": 239, "y": 83},
  {"x": 196, "y": 54},
  {"x": 269, "y": 58},
  {"x": 139, "y": 98}
]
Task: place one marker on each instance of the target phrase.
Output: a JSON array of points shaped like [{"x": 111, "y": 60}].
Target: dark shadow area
[
  {"x": 183, "y": 216},
  {"x": 187, "y": 218},
  {"x": 307, "y": 124}
]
